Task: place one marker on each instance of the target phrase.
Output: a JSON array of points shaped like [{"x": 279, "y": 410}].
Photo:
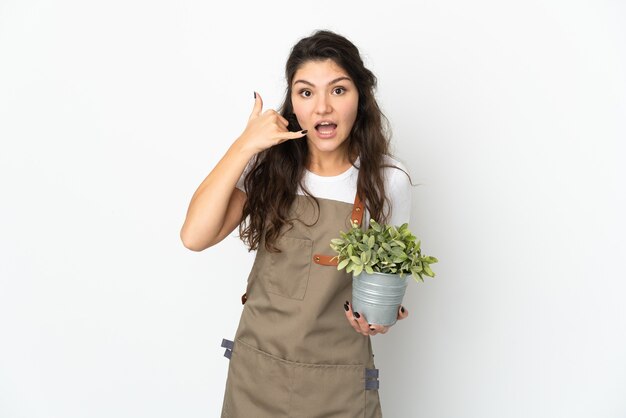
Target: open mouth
[{"x": 326, "y": 129}]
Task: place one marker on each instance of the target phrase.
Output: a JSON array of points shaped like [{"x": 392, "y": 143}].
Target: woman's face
[{"x": 325, "y": 101}]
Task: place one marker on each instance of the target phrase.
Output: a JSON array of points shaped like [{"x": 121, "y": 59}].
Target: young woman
[{"x": 290, "y": 183}]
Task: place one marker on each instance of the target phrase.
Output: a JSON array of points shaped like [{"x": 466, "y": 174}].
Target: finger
[
  {"x": 274, "y": 116},
  {"x": 293, "y": 135},
  {"x": 350, "y": 316},
  {"x": 362, "y": 322},
  {"x": 379, "y": 329},
  {"x": 374, "y": 329},
  {"x": 258, "y": 105},
  {"x": 282, "y": 120},
  {"x": 402, "y": 312}
]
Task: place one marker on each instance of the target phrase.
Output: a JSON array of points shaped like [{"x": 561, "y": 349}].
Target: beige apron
[{"x": 294, "y": 353}]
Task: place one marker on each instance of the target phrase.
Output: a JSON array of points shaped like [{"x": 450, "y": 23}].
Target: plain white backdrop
[{"x": 510, "y": 115}]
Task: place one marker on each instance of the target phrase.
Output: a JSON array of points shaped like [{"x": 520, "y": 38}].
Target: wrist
[{"x": 242, "y": 147}]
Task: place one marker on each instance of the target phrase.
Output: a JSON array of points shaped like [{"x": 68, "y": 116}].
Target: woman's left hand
[{"x": 360, "y": 325}]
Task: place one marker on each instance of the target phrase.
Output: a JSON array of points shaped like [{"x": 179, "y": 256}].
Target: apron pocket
[
  {"x": 328, "y": 391},
  {"x": 258, "y": 384},
  {"x": 287, "y": 273}
]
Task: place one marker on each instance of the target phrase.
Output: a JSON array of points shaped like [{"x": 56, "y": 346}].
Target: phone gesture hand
[{"x": 268, "y": 128}]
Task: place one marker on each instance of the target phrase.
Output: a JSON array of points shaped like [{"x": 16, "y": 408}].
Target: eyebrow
[{"x": 332, "y": 82}]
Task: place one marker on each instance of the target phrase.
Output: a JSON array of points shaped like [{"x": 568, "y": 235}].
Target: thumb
[
  {"x": 258, "y": 105},
  {"x": 402, "y": 312}
]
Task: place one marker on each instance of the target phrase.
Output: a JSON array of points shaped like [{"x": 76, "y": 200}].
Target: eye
[
  {"x": 304, "y": 93},
  {"x": 341, "y": 90}
]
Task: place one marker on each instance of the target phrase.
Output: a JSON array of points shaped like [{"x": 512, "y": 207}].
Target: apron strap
[
  {"x": 325, "y": 260},
  {"x": 356, "y": 217},
  {"x": 357, "y": 210}
]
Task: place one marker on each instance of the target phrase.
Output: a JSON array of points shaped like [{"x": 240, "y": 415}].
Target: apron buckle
[
  {"x": 371, "y": 379},
  {"x": 228, "y": 344}
]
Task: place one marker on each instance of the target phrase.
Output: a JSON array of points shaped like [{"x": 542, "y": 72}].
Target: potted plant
[{"x": 381, "y": 259}]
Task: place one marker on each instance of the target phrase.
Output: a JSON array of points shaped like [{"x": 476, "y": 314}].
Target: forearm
[{"x": 208, "y": 207}]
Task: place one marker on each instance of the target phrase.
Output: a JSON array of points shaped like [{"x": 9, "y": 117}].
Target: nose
[{"x": 323, "y": 106}]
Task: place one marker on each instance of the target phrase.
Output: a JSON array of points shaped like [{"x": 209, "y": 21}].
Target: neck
[{"x": 328, "y": 165}]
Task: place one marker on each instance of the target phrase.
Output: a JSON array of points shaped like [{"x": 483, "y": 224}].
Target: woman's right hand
[
  {"x": 264, "y": 130},
  {"x": 216, "y": 207}
]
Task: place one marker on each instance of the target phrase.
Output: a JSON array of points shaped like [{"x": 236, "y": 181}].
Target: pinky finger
[{"x": 298, "y": 134}]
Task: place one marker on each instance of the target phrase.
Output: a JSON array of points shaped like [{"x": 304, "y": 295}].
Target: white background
[{"x": 509, "y": 114}]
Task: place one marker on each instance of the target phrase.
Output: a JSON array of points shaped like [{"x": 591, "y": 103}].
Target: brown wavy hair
[{"x": 275, "y": 173}]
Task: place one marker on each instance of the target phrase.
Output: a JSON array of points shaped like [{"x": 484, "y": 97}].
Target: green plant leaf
[
  {"x": 428, "y": 271},
  {"x": 358, "y": 270},
  {"x": 418, "y": 277},
  {"x": 343, "y": 264}
]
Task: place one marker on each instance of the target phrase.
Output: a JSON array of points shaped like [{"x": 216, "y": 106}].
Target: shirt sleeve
[
  {"x": 400, "y": 195},
  {"x": 399, "y": 191},
  {"x": 246, "y": 170},
  {"x": 239, "y": 184}
]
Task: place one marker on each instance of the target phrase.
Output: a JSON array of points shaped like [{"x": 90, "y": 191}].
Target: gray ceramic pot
[{"x": 378, "y": 296}]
